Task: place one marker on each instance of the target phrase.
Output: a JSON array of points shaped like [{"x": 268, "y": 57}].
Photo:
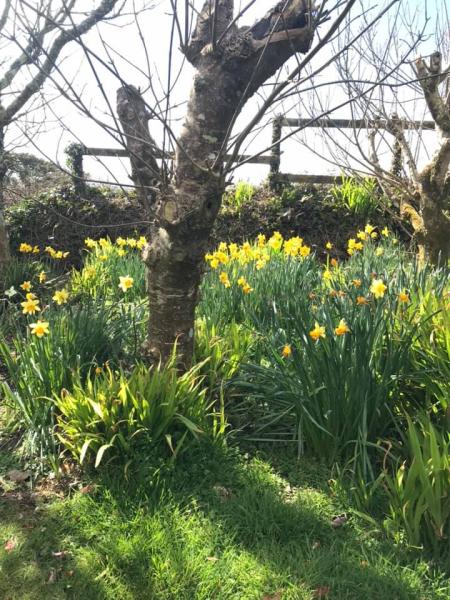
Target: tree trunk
[
  {"x": 434, "y": 179},
  {"x": 434, "y": 235},
  {"x": 186, "y": 214},
  {"x": 231, "y": 64},
  {"x": 175, "y": 260}
]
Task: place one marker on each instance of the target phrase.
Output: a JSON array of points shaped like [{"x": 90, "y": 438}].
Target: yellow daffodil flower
[
  {"x": 30, "y": 306},
  {"x": 342, "y": 328},
  {"x": 378, "y": 288},
  {"x": 276, "y": 241},
  {"x": 305, "y": 251},
  {"x": 287, "y": 351},
  {"x": 223, "y": 278},
  {"x": 26, "y": 286},
  {"x": 61, "y": 296},
  {"x": 318, "y": 332},
  {"x": 142, "y": 242},
  {"x": 40, "y": 328},
  {"x": 125, "y": 283}
]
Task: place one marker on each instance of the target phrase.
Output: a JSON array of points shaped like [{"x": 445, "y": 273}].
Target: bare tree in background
[
  {"x": 424, "y": 195},
  {"x": 410, "y": 91},
  {"x": 33, "y": 35}
]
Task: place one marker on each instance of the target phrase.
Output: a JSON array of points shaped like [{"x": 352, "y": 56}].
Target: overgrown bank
[{"x": 314, "y": 212}]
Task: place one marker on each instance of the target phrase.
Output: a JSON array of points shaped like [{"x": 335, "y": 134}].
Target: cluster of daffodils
[
  {"x": 378, "y": 289},
  {"x": 32, "y": 305},
  {"x": 365, "y": 235},
  {"x": 241, "y": 282},
  {"x": 25, "y": 248},
  {"x": 104, "y": 247},
  {"x": 56, "y": 254},
  {"x": 259, "y": 253},
  {"x": 319, "y": 330},
  {"x": 317, "y": 333}
]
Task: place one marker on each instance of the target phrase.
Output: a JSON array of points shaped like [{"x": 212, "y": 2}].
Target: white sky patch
[{"x": 138, "y": 49}]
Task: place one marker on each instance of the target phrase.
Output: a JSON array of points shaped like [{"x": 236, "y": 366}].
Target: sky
[{"x": 137, "y": 47}]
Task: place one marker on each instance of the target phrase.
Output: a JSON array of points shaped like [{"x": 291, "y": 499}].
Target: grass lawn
[{"x": 220, "y": 524}]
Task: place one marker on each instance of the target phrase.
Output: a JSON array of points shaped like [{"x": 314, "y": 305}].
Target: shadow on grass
[{"x": 218, "y": 525}]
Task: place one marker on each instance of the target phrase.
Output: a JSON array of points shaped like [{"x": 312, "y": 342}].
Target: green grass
[{"x": 220, "y": 524}]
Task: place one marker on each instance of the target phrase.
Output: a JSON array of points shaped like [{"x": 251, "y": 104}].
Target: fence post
[
  {"x": 275, "y": 154},
  {"x": 75, "y": 163}
]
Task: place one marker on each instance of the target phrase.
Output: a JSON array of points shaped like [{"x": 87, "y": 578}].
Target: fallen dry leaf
[
  {"x": 212, "y": 558},
  {"x": 322, "y": 591},
  {"x": 51, "y": 576},
  {"x": 276, "y": 596},
  {"x": 10, "y": 545},
  {"x": 87, "y": 489},
  {"x": 18, "y": 476},
  {"x": 62, "y": 554},
  {"x": 339, "y": 520},
  {"x": 223, "y": 492}
]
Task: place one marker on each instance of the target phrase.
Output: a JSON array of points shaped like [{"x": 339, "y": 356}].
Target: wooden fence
[{"x": 76, "y": 152}]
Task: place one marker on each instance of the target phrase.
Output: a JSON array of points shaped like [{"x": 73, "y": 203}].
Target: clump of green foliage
[
  {"x": 359, "y": 196},
  {"x": 242, "y": 193}
]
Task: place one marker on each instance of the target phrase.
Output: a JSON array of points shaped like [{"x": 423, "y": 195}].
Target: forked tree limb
[{"x": 134, "y": 117}]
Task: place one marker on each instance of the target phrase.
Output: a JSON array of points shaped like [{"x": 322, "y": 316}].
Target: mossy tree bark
[
  {"x": 434, "y": 179},
  {"x": 424, "y": 195},
  {"x": 231, "y": 64}
]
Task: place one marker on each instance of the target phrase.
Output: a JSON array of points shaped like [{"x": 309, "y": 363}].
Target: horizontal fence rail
[
  {"x": 76, "y": 152},
  {"x": 353, "y": 123}
]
